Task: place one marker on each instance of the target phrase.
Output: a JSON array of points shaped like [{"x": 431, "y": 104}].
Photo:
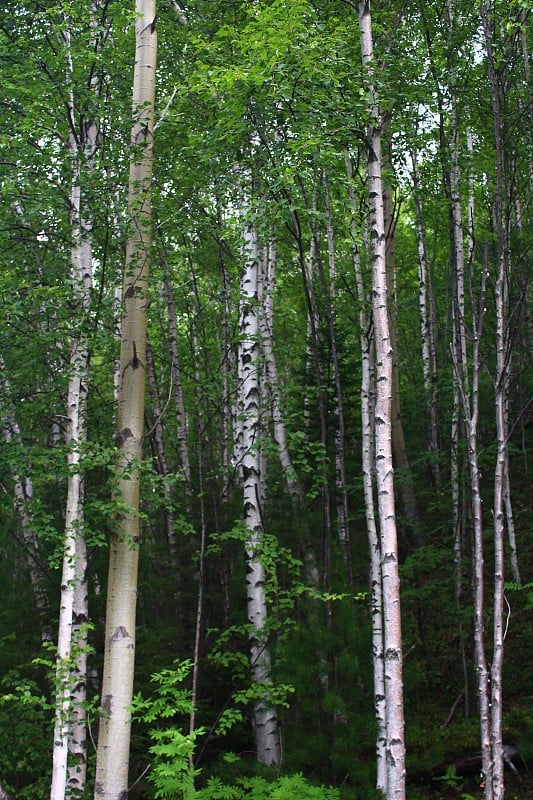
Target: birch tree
[
  {"x": 115, "y": 721},
  {"x": 368, "y": 463},
  {"x": 265, "y": 720},
  {"x": 392, "y": 629},
  {"x": 69, "y": 731}
]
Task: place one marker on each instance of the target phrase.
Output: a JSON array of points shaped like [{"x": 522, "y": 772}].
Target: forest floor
[{"x": 514, "y": 790}]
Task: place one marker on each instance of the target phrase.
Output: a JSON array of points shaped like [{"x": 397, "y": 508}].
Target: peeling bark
[
  {"x": 265, "y": 720},
  {"x": 392, "y": 639}
]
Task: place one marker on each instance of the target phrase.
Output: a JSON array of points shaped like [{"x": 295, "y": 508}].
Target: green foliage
[
  {"x": 294, "y": 787},
  {"x": 25, "y": 718},
  {"x": 172, "y": 773},
  {"x": 450, "y": 778}
]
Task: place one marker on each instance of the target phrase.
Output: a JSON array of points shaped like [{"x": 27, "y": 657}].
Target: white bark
[
  {"x": 427, "y": 329},
  {"x": 112, "y": 761},
  {"x": 226, "y": 359},
  {"x": 265, "y": 717},
  {"x": 459, "y": 351},
  {"x": 368, "y": 390},
  {"x": 266, "y": 318},
  {"x": 501, "y": 476},
  {"x": 4, "y": 794},
  {"x": 69, "y": 729},
  {"x": 395, "y": 747}
]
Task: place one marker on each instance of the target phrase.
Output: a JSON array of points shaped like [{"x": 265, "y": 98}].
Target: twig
[{"x": 453, "y": 710}]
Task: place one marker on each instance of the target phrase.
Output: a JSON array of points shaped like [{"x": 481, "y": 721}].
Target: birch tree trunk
[
  {"x": 265, "y": 720},
  {"x": 267, "y": 265},
  {"x": 395, "y": 745},
  {"x": 368, "y": 398},
  {"x": 406, "y": 490},
  {"x": 71, "y": 665},
  {"x": 427, "y": 322},
  {"x": 115, "y": 723},
  {"x": 470, "y": 401},
  {"x": 459, "y": 339},
  {"x": 175, "y": 372},
  {"x": 501, "y": 383}
]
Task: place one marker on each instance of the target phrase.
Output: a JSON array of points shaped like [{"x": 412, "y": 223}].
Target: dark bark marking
[
  {"x": 107, "y": 704},
  {"x": 120, "y": 633}
]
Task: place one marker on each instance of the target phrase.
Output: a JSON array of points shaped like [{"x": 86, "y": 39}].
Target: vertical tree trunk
[
  {"x": 160, "y": 447},
  {"x": 405, "y": 485},
  {"x": 338, "y": 401},
  {"x": 68, "y": 780},
  {"x": 265, "y": 717},
  {"x": 226, "y": 358},
  {"x": 470, "y": 401},
  {"x": 427, "y": 322},
  {"x": 395, "y": 747},
  {"x": 267, "y": 266},
  {"x": 501, "y": 477},
  {"x": 368, "y": 397},
  {"x": 175, "y": 372},
  {"x": 115, "y": 723},
  {"x": 459, "y": 351},
  {"x": 313, "y": 354}
]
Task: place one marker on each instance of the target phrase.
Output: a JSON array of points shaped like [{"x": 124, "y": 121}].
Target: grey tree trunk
[
  {"x": 338, "y": 399},
  {"x": 177, "y": 390},
  {"x": 162, "y": 462}
]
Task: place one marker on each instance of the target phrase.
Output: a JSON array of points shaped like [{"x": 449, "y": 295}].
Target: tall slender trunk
[
  {"x": 405, "y": 485},
  {"x": 368, "y": 398},
  {"x": 68, "y": 779},
  {"x": 226, "y": 358},
  {"x": 175, "y": 372},
  {"x": 160, "y": 448},
  {"x": 199, "y": 623},
  {"x": 395, "y": 746},
  {"x": 265, "y": 721},
  {"x": 115, "y": 722},
  {"x": 338, "y": 400},
  {"x": 459, "y": 350},
  {"x": 470, "y": 403},
  {"x": 267, "y": 266},
  {"x": 313, "y": 354},
  {"x": 427, "y": 323},
  {"x": 501, "y": 477}
]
